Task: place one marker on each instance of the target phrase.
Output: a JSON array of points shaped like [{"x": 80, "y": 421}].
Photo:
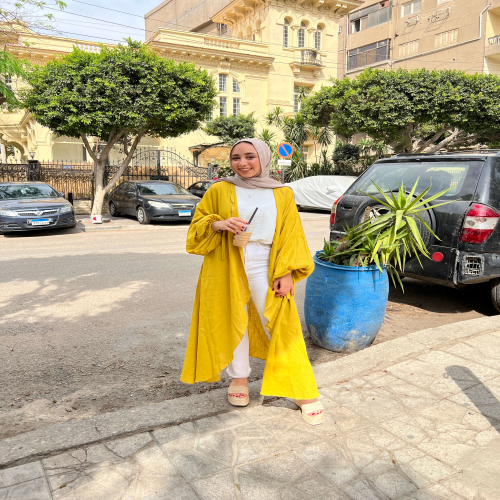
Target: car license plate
[
  {"x": 40, "y": 222},
  {"x": 184, "y": 213}
]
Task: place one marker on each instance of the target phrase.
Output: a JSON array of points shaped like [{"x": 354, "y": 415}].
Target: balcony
[
  {"x": 492, "y": 46},
  {"x": 306, "y": 59},
  {"x": 210, "y": 49}
]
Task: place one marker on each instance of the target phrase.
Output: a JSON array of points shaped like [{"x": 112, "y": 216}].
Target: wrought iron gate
[{"x": 160, "y": 164}]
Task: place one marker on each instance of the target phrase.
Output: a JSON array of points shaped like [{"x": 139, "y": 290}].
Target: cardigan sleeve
[
  {"x": 201, "y": 238},
  {"x": 293, "y": 251}
]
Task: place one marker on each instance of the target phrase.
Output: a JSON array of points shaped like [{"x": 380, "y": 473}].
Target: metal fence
[{"x": 77, "y": 178}]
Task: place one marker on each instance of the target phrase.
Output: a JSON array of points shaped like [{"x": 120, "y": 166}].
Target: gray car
[
  {"x": 152, "y": 201},
  {"x": 27, "y": 206}
]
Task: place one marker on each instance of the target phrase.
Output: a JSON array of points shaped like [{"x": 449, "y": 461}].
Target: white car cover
[{"x": 320, "y": 191}]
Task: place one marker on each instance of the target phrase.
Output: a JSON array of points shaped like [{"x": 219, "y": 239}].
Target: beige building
[
  {"x": 411, "y": 34},
  {"x": 259, "y": 52}
]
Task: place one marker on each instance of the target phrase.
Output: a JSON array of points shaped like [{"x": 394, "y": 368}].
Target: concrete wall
[
  {"x": 185, "y": 15},
  {"x": 464, "y": 15}
]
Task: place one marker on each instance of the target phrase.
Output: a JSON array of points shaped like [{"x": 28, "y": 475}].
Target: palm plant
[{"x": 388, "y": 240}]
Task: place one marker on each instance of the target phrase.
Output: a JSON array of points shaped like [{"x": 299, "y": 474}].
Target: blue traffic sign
[{"x": 285, "y": 150}]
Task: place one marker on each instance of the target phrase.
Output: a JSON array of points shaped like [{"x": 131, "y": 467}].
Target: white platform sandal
[
  {"x": 238, "y": 389},
  {"x": 310, "y": 408}
]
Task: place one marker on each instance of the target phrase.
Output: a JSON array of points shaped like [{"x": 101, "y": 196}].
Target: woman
[{"x": 244, "y": 303}]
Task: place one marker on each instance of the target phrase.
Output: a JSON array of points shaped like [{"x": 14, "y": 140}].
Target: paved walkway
[{"x": 414, "y": 418}]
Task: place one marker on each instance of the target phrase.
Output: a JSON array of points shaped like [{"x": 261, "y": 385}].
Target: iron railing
[
  {"x": 494, "y": 40},
  {"x": 310, "y": 58}
]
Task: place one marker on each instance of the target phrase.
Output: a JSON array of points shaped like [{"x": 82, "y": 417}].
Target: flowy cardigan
[{"x": 220, "y": 318}]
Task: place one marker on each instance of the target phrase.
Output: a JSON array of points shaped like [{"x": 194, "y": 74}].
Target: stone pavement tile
[
  {"x": 35, "y": 489},
  {"x": 264, "y": 412},
  {"x": 20, "y": 474},
  {"x": 441, "y": 373},
  {"x": 484, "y": 349},
  {"x": 484, "y": 398},
  {"x": 193, "y": 465},
  {"x": 426, "y": 470},
  {"x": 217, "y": 445},
  {"x": 343, "y": 419},
  {"x": 180, "y": 493},
  {"x": 217, "y": 487},
  {"x": 284, "y": 473},
  {"x": 128, "y": 446},
  {"x": 331, "y": 459},
  {"x": 254, "y": 442},
  {"x": 393, "y": 484},
  {"x": 223, "y": 421},
  {"x": 172, "y": 434},
  {"x": 444, "y": 430},
  {"x": 362, "y": 489}
]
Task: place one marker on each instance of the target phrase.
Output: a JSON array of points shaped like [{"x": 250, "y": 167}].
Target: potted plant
[{"x": 347, "y": 294}]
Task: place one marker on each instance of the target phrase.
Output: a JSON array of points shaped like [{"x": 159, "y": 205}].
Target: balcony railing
[
  {"x": 494, "y": 40},
  {"x": 214, "y": 42},
  {"x": 310, "y": 58}
]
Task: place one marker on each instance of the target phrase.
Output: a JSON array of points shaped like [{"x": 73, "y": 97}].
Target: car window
[
  {"x": 129, "y": 187},
  {"x": 460, "y": 177},
  {"x": 121, "y": 187},
  {"x": 161, "y": 189},
  {"x": 198, "y": 185},
  {"x": 20, "y": 191},
  {"x": 207, "y": 185}
]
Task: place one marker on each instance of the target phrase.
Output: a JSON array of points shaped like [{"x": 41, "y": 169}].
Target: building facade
[
  {"x": 259, "y": 52},
  {"x": 411, "y": 34}
]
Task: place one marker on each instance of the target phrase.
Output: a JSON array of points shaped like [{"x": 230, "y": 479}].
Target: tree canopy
[
  {"x": 411, "y": 111},
  {"x": 230, "y": 129},
  {"x": 118, "y": 95},
  {"x": 14, "y": 17}
]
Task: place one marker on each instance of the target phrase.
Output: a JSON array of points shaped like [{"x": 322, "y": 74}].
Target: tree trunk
[{"x": 99, "y": 187}]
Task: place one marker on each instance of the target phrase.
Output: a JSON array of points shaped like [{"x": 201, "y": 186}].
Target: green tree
[
  {"x": 118, "y": 96},
  {"x": 230, "y": 129},
  {"x": 14, "y": 17},
  {"x": 411, "y": 111}
]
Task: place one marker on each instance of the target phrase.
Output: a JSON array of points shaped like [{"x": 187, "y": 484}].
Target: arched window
[
  {"x": 285, "y": 32},
  {"x": 317, "y": 38},
  {"x": 302, "y": 34}
]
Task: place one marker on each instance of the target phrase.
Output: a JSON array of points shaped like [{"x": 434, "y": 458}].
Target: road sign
[
  {"x": 285, "y": 150},
  {"x": 285, "y": 163}
]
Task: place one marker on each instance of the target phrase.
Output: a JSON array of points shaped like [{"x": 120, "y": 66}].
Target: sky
[{"x": 98, "y": 23}]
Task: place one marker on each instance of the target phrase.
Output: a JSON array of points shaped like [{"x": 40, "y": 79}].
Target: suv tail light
[
  {"x": 334, "y": 212},
  {"x": 479, "y": 224}
]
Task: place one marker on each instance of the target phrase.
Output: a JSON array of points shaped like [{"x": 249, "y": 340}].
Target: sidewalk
[
  {"x": 413, "y": 418},
  {"x": 125, "y": 223}
]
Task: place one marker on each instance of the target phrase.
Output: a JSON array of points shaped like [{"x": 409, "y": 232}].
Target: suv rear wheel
[{"x": 495, "y": 293}]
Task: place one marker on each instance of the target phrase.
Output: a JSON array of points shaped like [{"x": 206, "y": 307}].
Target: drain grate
[{"x": 472, "y": 266}]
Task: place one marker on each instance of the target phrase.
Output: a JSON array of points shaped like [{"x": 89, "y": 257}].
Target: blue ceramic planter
[{"x": 345, "y": 306}]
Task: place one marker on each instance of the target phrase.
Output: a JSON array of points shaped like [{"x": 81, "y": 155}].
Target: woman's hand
[
  {"x": 283, "y": 285},
  {"x": 233, "y": 225}
]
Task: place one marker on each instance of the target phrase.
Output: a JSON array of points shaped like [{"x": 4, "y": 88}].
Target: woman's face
[{"x": 245, "y": 160}]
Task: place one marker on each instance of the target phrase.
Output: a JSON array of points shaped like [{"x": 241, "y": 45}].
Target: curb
[{"x": 30, "y": 446}]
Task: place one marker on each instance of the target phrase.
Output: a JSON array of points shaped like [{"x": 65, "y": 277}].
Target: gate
[
  {"x": 10, "y": 172},
  {"x": 160, "y": 164}
]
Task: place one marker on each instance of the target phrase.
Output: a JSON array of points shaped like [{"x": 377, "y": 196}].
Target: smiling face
[{"x": 245, "y": 160}]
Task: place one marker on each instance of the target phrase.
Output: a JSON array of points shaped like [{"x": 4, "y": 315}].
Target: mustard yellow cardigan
[{"x": 219, "y": 319}]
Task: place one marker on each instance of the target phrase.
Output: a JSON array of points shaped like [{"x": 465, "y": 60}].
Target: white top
[{"x": 265, "y": 218}]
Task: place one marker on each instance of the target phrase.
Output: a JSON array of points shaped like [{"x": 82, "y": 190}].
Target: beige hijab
[{"x": 259, "y": 181}]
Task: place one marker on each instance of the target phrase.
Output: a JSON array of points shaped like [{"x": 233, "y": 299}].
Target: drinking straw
[{"x": 253, "y": 215}]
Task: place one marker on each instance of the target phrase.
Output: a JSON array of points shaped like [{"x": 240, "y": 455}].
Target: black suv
[{"x": 468, "y": 249}]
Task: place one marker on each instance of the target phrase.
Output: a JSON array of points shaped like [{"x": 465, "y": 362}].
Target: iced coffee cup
[{"x": 242, "y": 239}]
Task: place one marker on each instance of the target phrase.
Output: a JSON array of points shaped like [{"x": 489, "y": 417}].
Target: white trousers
[{"x": 257, "y": 270}]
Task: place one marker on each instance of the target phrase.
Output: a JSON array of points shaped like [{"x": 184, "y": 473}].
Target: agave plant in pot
[{"x": 347, "y": 294}]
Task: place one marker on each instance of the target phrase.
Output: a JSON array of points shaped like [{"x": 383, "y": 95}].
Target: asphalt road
[{"x": 97, "y": 322}]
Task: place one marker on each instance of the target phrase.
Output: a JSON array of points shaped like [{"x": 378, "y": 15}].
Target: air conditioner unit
[
  {"x": 411, "y": 21},
  {"x": 438, "y": 15}
]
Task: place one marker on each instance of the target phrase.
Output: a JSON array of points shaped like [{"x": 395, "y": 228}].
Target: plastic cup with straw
[{"x": 242, "y": 239}]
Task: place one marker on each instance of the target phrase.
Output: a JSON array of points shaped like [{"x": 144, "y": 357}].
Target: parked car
[
  {"x": 26, "y": 206},
  {"x": 152, "y": 200},
  {"x": 319, "y": 191},
  {"x": 199, "y": 188},
  {"x": 468, "y": 249}
]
